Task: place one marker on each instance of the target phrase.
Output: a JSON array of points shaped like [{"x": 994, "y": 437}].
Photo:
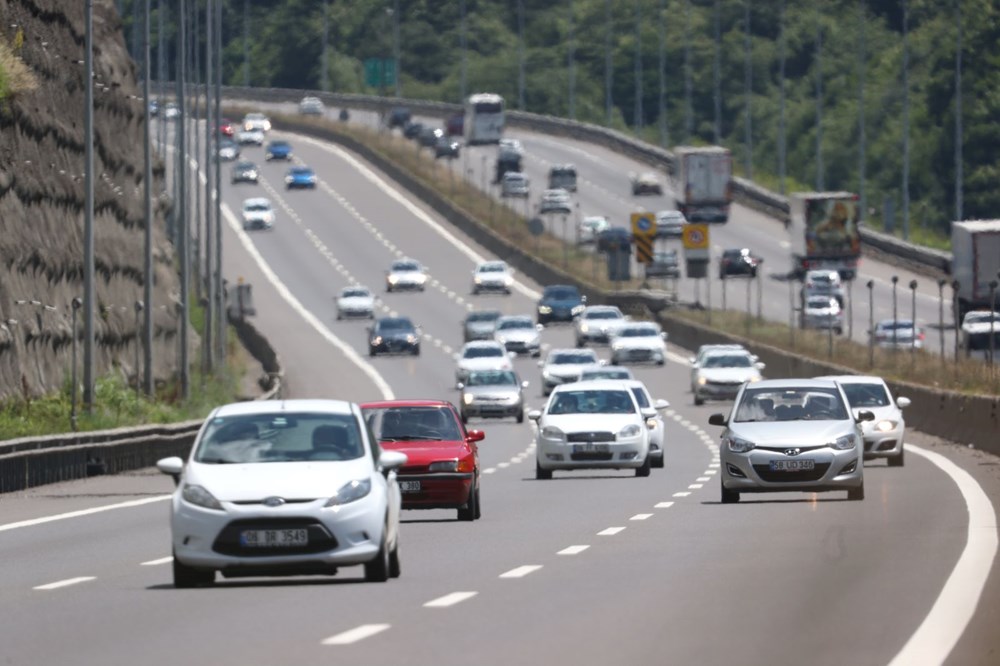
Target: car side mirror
[
  {"x": 535, "y": 414},
  {"x": 663, "y": 335},
  {"x": 760, "y": 365},
  {"x": 866, "y": 415},
  {"x": 475, "y": 436},
  {"x": 602, "y": 362},
  {"x": 648, "y": 413},
  {"x": 525, "y": 384},
  {"x": 541, "y": 364},
  {"x": 172, "y": 467},
  {"x": 390, "y": 460},
  {"x": 902, "y": 402},
  {"x": 661, "y": 404},
  {"x": 511, "y": 355},
  {"x": 539, "y": 328},
  {"x": 457, "y": 357},
  {"x": 460, "y": 386},
  {"x": 717, "y": 419},
  {"x": 583, "y": 299},
  {"x": 693, "y": 361}
]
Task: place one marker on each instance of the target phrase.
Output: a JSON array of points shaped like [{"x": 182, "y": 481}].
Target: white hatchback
[
  {"x": 405, "y": 274},
  {"x": 884, "y": 434},
  {"x": 495, "y": 276},
  {"x": 284, "y": 487},
  {"x": 639, "y": 342},
  {"x": 482, "y": 355},
  {"x": 563, "y": 366},
  {"x": 258, "y": 213},
  {"x": 356, "y": 301},
  {"x": 592, "y": 425}
]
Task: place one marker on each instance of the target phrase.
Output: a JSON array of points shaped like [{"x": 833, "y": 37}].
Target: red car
[
  {"x": 226, "y": 127},
  {"x": 455, "y": 125},
  {"x": 442, "y": 467}
]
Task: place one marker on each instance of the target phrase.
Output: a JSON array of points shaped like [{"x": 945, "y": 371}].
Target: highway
[{"x": 589, "y": 568}]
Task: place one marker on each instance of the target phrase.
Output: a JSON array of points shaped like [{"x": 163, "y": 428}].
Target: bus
[{"x": 483, "y": 119}]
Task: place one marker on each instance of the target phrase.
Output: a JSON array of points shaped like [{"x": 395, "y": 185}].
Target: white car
[
  {"x": 645, "y": 183},
  {"x": 705, "y": 350},
  {"x": 822, "y": 312},
  {"x": 563, "y": 366},
  {"x": 598, "y": 323},
  {"x": 590, "y": 373},
  {"x": 555, "y": 201},
  {"x": 823, "y": 282},
  {"x": 883, "y": 436},
  {"x": 592, "y": 425},
  {"x": 978, "y": 326},
  {"x": 639, "y": 342},
  {"x": 312, "y": 106},
  {"x": 515, "y": 184},
  {"x": 280, "y": 487},
  {"x": 590, "y": 228},
  {"x": 519, "y": 334},
  {"x": 256, "y": 121},
  {"x": 492, "y": 276},
  {"x": 356, "y": 301},
  {"x": 250, "y": 136},
  {"x": 481, "y": 355},
  {"x": 171, "y": 111},
  {"x": 405, "y": 274},
  {"x": 657, "y": 428},
  {"x": 258, "y": 213},
  {"x": 720, "y": 374},
  {"x": 670, "y": 224},
  {"x": 228, "y": 150}
]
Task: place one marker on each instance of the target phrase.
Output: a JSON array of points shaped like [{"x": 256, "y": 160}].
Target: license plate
[
  {"x": 409, "y": 486},
  {"x": 590, "y": 448},
  {"x": 274, "y": 538},
  {"x": 792, "y": 465}
]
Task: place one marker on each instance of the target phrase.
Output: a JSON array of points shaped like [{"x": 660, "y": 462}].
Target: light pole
[
  {"x": 461, "y": 31},
  {"x": 748, "y": 89},
  {"x": 608, "y": 27},
  {"x": 913, "y": 312},
  {"x": 75, "y": 306},
  {"x": 212, "y": 123},
  {"x": 871, "y": 323},
  {"x": 570, "y": 63},
  {"x": 955, "y": 284},
  {"x": 850, "y": 309},
  {"x": 88, "y": 213},
  {"x": 138, "y": 315},
  {"x": 520, "y": 54},
  {"x": 662, "y": 99},
  {"x": 760, "y": 291},
  {"x": 829, "y": 332},
  {"x": 791, "y": 314},
  {"x": 637, "y": 120},
  {"x": 397, "y": 52},
  {"x": 565, "y": 239},
  {"x": 941, "y": 283},
  {"x": 993, "y": 309},
  {"x": 147, "y": 196},
  {"x": 724, "y": 291},
  {"x": 895, "y": 281}
]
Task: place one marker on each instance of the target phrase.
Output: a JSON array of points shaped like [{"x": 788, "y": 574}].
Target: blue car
[
  {"x": 560, "y": 302},
  {"x": 300, "y": 176},
  {"x": 278, "y": 150}
]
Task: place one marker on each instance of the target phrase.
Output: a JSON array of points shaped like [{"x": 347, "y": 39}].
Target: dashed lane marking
[
  {"x": 449, "y": 599},
  {"x": 83, "y": 512},
  {"x": 641, "y": 516},
  {"x": 663, "y": 505},
  {"x": 572, "y": 550},
  {"x": 356, "y": 634},
  {"x": 65, "y": 583},
  {"x": 681, "y": 494},
  {"x": 521, "y": 572},
  {"x": 610, "y": 531},
  {"x": 155, "y": 563}
]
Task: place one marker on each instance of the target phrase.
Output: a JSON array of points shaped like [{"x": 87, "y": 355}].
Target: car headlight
[
  {"x": 479, "y": 280},
  {"x": 702, "y": 381},
  {"x": 468, "y": 398},
  {"x": 546, "y": 374},
  {"x": 630, "y": 430},
  {"x": 584, "y": 328},
  {"x": 443, "y": 466},
  {"x": 577, "y": 309},
  {"x": 376, "y": 341},
  {"x": 885, "y": 425},
  {"x": 618, "y": 347},
  {"x": 544, "y": 309},
  {"x": 411, "y": 338},
  {"x": 421, "y": 278},
  {"x": 288, "y": 179},
  {"x": 845, "y": 442},
  {"x": 311, "y": 179},
  {"x": 502, "y": 340},
  {"x": 198, "y": 496},
  {"x": 552, "y": 432},
  {"x": 350, "y": 492},
  {"x": 508, "y": 280},
  {"x": 738, "y": 445},
  {"x": 393, "y": 279},
  {"x": 251, "y": 174},
  {"x": 755, "y": 378}
]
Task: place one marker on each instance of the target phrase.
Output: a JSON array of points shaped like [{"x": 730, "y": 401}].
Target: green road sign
[{"x": 380, "y": 72}]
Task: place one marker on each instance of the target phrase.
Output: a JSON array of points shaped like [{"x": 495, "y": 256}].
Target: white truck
[
  {"x": 702, "y": 183},
  {"x": 975, "y": 262},
  {"x": 823, "y": 231}
]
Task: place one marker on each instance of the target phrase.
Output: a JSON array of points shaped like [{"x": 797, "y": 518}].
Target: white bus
[{"x": 483, "y": 119}]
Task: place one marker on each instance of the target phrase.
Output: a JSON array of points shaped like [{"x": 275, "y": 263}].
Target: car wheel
[
  {"x": 646, "y": 466},
  {"x": 579, "y": 343},
  {"x": 394, "y": 567},
  {"x": 416, "y": 351},
  {"x": 896, "y": 461},
  {"x": 479, "y": 504},
  {"x": 185, "y": 576},
  {"x": 698, "y": 400},
  {"x": 339, "y": 316},
  {"x": 661, "y": 362},
  {"x": 658, "y": 462},
  {"x": 372, "y": 352},
  {"x": 729, "y": 496},
  {"x": 520, "y": 416},
  {"x": 468, "y": 512},
  {"x": 388, "y": 288},
  {"x": 856, "y": 494},
  {"x": 542, "y": 474},
  {"x": 377, "y": 569}
]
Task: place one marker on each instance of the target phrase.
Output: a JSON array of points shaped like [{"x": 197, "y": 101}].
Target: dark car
[
  {"x": 614, "y": 238},
  {"x": 244, "y": 172},
  {"x": 300, "y": 177},
  {"x": 455, "y": 125},
  {"x": 411, "y": 130},
  {"x": 738, "y": 261},
  {"x": 447, "y": 147},
  {"x": 664, "y": 265},
  {"x": 429, "y": 136},
  {"x": 399, "y": 116},
  {"x": 560, "y": 302},
  {"x": 278, "y": 150},
  {"x": 393, "y": 335}
]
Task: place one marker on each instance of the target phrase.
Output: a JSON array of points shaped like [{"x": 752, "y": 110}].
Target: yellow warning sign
[{"x": 695, "y": 236}]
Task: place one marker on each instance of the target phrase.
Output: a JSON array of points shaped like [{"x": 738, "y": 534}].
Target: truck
[
  {"x": 975, "y": 262},
  {"x": 824, "y": 235},
  {"x": 702, "y": 183}
]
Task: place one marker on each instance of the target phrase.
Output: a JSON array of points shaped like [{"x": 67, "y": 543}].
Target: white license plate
[
  {"x": 409, "y": 486},
  {"x": 792, "y": 465},
  {"x": 590, "y": 448},
  {"x": 274, "y": 538}
]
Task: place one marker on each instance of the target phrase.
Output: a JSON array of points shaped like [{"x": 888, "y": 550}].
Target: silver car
[
  {"x": 883, "y": 435},
  {"x": 492, "y": 394},
  {"x": 822, "y": 312},
  {"x": 789, "y": 435},
  {"x": 480, "y": 325},
  {"x": 519, "y": 334}
]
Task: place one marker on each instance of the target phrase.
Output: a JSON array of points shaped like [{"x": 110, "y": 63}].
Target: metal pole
[
  {"x": 570, "y": 61},
  {"x": 781, "y": 100},
  {"x": 608, "y": 27},
  {"x": 565, "y": 244},
  {"x": 147, "y": 206},
  {"x": 791, "y": 314},
  {"x": 716, "y": 72},
  {"x": 161, "y": 77},
  {"x": 895, "y": 281},
  {"x": 906, "y": 122},
  {"x": 955, "y": 318},
  {"x": 724, "y": 292},
  {"x": 760, "y": 294},
  {"x": 138, "y": 346},
  {"x": 520, "y": 54},
  {"x": 461, "y": 33},
  {"x": 850, "y": 309},
  {"x": 913, "y": 318},
  {"x": 661, "y": 113},
  {"x": 182, "y": 198},
  {"x": 958, "y": 112},
  {"x": 748, "y": 89},
  {"x": 871, "y": 323},
  {"x": 749, "y": 302},
  {"x": 637, "y": 119},
  {"x": 88, "y": 213},
  {"x": 941, "y": 283},
  {"x": 862, "y": 68},
  {"x": 196, "y": 239},
  {"x": 325, "y": 55},
  {"x": 819, "y": 101},
  {"x": 75, "y": 305},
  {"x": 396, "y": 48},
  {"x": 211, "y": 123},
  {"x": 246, "y": 45},
  {"x": 220, "y": 304},
  {"x": 993, "y": 310}
]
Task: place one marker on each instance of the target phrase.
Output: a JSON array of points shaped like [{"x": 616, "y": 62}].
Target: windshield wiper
[
  {"x": 410, "y": 438},
  {"x": 216, "y": 461}
]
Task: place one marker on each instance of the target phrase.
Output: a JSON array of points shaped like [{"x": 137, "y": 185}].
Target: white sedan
[
  {"x": 258, "y": 213},
  {"x": 598, "y": 323},
  {"x": 884, "y": 434},
  {"x": 657, "y": 428},
  {"x": 978, "y": 326},
  {"x": 519, "y": 334},
  {"x": 563, "y": 366},
  {"x": 356, "y": 301},
  {"x": 494, "y": 276},
  {"x": 256, "y": 121},
  {"x": 639, "y": 342},
  {"x": 405, "y": 274},
  {"x": 482, "y": 355},
  {"x": 289, "y": 487},
  {"x": 592, "y": 425},
  {"x": 250, "y": 136}
]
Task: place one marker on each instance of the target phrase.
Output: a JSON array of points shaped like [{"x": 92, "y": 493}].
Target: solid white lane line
[
  {"x": 83, "y": 512},
  {"x": 663, "y": 505},
  {"x": 572, "y": 550},
  {"x": 449, "y": 599},
  {"x": 939, "y": 632},
  {"x": 155, "y": 563},
  {"x": 681, "y": 494},
  {"x": 521, "y": 572},
  {"x": 641, "y": 516},
  {"x": 611, "y": 531},
  {"x": 64, "y": 583},
  {"x": 356, "y": 634}
]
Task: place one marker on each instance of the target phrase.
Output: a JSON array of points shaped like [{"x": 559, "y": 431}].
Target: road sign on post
[
  {"x": 643, "y": 234},
  {"x": 380, "y": 72},
  {"x": 695, "y": 239}
]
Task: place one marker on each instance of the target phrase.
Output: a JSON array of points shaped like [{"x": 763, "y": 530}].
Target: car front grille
[
  {"x": 599, "y": 436},
  {"x": 228, "y": 541},
  {"x": 591, "y": 456},
  {"x": 815, "y": 474}
]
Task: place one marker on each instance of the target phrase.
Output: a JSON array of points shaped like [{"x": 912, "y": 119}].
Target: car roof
[
  {"x": 553, "y": 287},
  {"x": 353, "y": 287},
  {"x": 898, "y": 322},
  {"x": 491, "y": 344},
  {"x": 854, "y": 379},
  {"x": 289, "y": 406},
  {"x": 256, "y": 201},
  {"x": 571, "y": 350},
  {"x": 602, "y": 308},
  {"x": 382, "y": 320},
  {"x": 794, "y": 383},
  {"x": 404, "y": 260},
  {"x": 594, "y": 385},
  {"x": 492, "y": 262},
  {"x": 490, "y": 313},
  {"x": 520, "y": 317},
  {"x": 378, "y": 404}
]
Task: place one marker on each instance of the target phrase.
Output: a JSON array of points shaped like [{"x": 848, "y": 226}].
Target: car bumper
[
  {"x": 748, "y": 473},
  {"x": 445, "y": 490},
  {"x": 712, "y": 391},
  {"x": 499, "y": 287},
  {"x": 624, "y": 454},
  {"x": 406, "y": 286},
  {"x": 884, "y": 444},
  {"x": 362, "y": 313},
  {"x": 394, "y": 347},
  {"x": 598, "y": 337},
  {"x": 522, "y": 347},
  {"x": 493, "y": 409},
  {"x": 556, "y": 316},
  {"x": 549, "y": 383},
  {"x": 638, "y": 356},
  {"x": 257, "y": 224}
]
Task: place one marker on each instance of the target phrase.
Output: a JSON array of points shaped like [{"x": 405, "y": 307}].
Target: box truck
[
  {"x": 702, "y": 183},
  {"x": 823, "y": 228},
  {"x": 975, "y": 262}
]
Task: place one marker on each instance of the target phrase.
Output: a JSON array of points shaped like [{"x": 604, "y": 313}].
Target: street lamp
[
  {"x": 76, "y": 304},
  {"x": 850, "y": 309},
  {"x": 871, "y": 323},
  {"x": 993, "y": 309},
  {"x": 791, "y": 314},
  {"x": 760, "y": 291},
  {"x": 565, "y": 244},
  {"x": 139, "y": 307},
  {"x": 955, "y": 284},
  {"x": 913, "y": 311},
  {"x": 895, "y": 281},
  {"x": 941, "y": 283}
]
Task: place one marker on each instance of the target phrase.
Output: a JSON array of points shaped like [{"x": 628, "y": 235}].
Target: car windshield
[
  {"x": 639, "y": 332},
  {"x": 510, "y": 324},
  {"x": 404, "y": 423},
  {"x": 283, "y": 437},
  {"x": 356, "y": 293},
  {"x": 562, "y": 294},
  {"x": 405, "y": 266},
  {"x": 395, "y": 325},
  {"x": 609, "y": 373},
  {"x": 791, "y": 404},
  {"x": 492, "y": 268},
  {"x": 981, "y": 317},
  {"x": 244, "y": 166},
  {"x": 866, "y": 395},
  {"x": 301, "y": 171},
  {"x": 483, "y": 352},
  {"x": 574, "y": 358},
  {"x": 604, "y": 401},
  {"x": 482, "y": 316},
  {"x": 257, "y": 206},
  {"x": 817, "y": 303},
  {"x": 492, "y": 378},
  {"x": 727, "y": 361},
  {"x": 603, "y": 314},
  {"x": 898, "y": 325}
]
